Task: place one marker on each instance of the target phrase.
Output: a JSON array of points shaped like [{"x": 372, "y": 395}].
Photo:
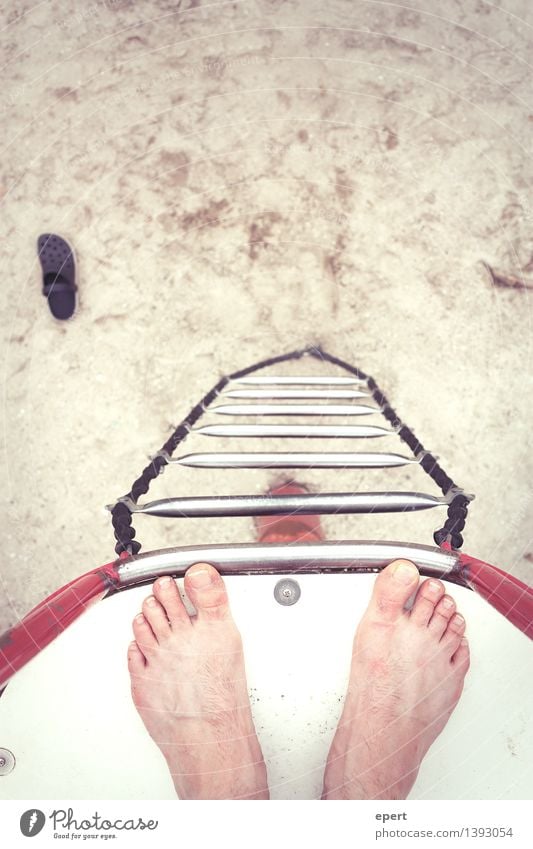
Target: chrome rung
[
  {"x": 309, "y": 431},
  {"x": 274, "y": 505},
  {"x": 282, "y": 559},
  {"x": 295, "y": 394},
  {"x": 294, "y": 410},
  {"x": 298, "y": 460},
  {"x": 300, "y": 380}
]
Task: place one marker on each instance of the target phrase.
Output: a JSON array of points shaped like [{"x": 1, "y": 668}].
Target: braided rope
[
  {"x": 458, "y": 507},
  {"x": 121, "y": 516}
]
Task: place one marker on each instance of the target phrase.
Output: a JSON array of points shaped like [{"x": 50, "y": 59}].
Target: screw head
[
  {"x": 287, "y": 592},
  {"x": 7, "y": 761}
]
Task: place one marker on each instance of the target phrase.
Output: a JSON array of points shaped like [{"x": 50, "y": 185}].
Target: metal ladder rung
[
  {"x": 294, "y": 394},
  {"x": 300, "y": 380},
  {"x": 294, "y": 410},
  {"x": 296, "y": 558},
  {"x": 309, "y": 431},
  {"x": 297, "y": 460},
  {"x": 270, "y": 505}
]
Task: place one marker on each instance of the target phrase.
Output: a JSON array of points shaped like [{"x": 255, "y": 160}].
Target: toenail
[
  {"x": 448, "y": 602},
  {"x": 150, "y": 601},
  {"x": 405, "y": 572},
  {"x": 164, "y": 582},
  {"x": 139, "y": 618},
  {"x": 458, "y": 619},
  {"x": 199, "y": 579},
  {"x": 433, "y": 587},
  {"x": 464, "y": 642}
]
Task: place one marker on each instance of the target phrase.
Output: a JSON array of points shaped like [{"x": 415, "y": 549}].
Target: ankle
[
  {"x": 242, "y": 773},
  {"x": 245, "y": 782},
  {"x": 341, "y": 787}
]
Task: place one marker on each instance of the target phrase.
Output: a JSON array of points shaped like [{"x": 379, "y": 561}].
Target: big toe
[
  {"x": 393, "y": 586},
  {"x": 207, "y": 591}
]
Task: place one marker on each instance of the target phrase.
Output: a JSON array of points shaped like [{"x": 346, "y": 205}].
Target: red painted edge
[
  {"x": 48, "y": 619},
  {"x": 507, "y": 594}
]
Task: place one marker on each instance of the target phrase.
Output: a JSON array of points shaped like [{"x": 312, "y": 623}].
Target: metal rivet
[
  {"x": 7, "y": 761},
  {"x": 287, "y": 591}
]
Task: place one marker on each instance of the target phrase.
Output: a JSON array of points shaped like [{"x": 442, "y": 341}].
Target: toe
[
  {"x": 136, "y": 659},
  {"x": 456, "y": 625},
  {"x": 144, "y": 635},
  {"x": 451, "y": 638},
  {"x": 441, "y": 616},
  {"x": 428, "y": 596},
  {"x": 156, "y": 617},
  {"x": 207, "y": 591},
  {"x": 393, "y": 586},
  {"x": 461, "y": 658},
  {"x": 168, "y": 595}
]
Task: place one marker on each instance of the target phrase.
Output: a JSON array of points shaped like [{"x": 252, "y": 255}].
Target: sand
[{"x": 238, "y": 180}]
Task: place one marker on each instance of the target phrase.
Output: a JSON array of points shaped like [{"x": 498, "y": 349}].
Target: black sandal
[{"x": 59, "y": 274}]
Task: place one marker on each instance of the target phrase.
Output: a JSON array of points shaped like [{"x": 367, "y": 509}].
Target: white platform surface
[{"x": 69, "y": 720}]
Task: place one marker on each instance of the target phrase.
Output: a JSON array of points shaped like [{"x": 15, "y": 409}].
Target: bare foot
[
  {"x": 406, "y": 677},
  {"x": 189, "y": 686}
]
